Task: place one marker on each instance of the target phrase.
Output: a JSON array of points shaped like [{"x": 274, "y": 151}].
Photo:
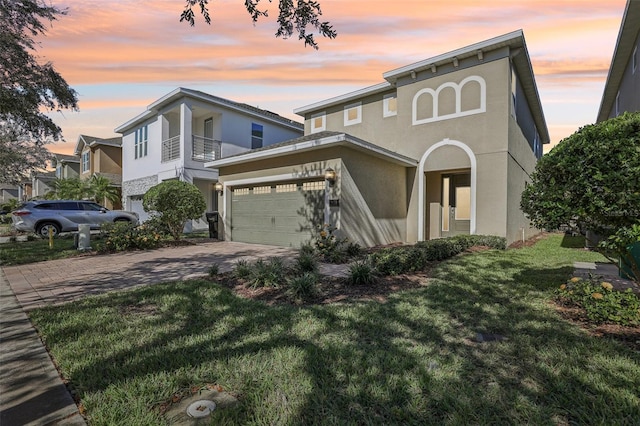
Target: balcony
[
  {"x": 171, "y": 149},
  {"x": 205, "y": 149}
]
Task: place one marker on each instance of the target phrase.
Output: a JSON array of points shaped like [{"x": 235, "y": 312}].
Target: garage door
[
  {"x": 135, "y": 205},
  {"x": 280, "y": 214}
]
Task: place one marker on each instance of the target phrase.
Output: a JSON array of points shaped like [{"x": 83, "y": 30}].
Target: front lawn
[
  {"x": 38, "y": 250},
  {"x": 420, "y": 357}
]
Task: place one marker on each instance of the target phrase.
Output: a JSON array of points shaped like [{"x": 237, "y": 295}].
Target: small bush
[
  {"x": 353, "y": 250},
  {"x": 121, "y": 236},
  {"x": 32, "y": 238},
  {"x": 390, "y": 261},
  {"x": 307, "y": 249},
  {"x": 329, "y": 246},
  {"x": 242, "y": 269},
  {"x": 361, "y": 273},
  {"x": 302, "y": 287},
  {"x": 306, "y": 262},
  {"x": 214, "y": 270},
  {"x": 269, "y": 273},
  {"x": 601, "y": 302}
]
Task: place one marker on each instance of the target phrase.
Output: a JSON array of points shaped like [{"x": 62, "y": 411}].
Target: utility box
[
  {"x": 626, "y": 271},
  {"x": 84, "y": 237},
  {"x": 213, "y": 219}
]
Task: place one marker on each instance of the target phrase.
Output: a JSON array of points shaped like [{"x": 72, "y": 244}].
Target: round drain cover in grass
[{"x": 201, "y": 408}]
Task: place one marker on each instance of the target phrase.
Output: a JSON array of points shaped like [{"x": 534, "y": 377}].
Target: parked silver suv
[{"x": 65, "y": 215}]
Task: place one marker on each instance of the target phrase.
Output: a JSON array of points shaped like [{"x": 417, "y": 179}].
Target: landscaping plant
[
  {"x": 302, "y": 287},
  {"x": 589, "y": 181},
  {"x": 602, "y": 304},
  {"x": 361, "y": 273},
  {"x": 174, "y": 202}
]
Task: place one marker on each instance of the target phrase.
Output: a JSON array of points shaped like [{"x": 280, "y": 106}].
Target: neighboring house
[
  {"x": 181, "y": 131},
  {"x": 8, "y": 192},
  {"x": 622, "y": 89},
  {"x": 101, "y": 157},
  {"x": 41, "y": 183},
  {"x": 441, "y": 147},
  {"x": 66, "y": 166}
]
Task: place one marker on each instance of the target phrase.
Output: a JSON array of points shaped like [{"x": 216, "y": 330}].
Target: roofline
[
  {"x": 334, "y": 140},
  {"x": 152, "y": 109},
  {"x": 509, "y": 39},
  {"x": 367, "y": 91},
  {"x": 624, "y": 45}
]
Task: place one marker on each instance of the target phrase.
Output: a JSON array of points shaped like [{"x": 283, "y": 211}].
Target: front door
[{"x": 456, "y": 204}]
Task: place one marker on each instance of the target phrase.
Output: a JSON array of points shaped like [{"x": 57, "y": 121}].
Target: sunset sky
[{"x": 121, "y": 55}]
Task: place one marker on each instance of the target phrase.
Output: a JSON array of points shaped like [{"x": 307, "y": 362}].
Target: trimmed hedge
[{"x": 399, "y": 260}]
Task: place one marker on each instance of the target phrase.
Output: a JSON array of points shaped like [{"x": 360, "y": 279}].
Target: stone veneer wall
[{"x": 137, "y": 187}]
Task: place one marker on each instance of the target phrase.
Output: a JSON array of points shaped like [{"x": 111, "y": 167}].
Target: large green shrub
[
  {"x": 174, "y": 202},
  {"x": 122, "y": 236},
  {"x": 589, "y": 180}
]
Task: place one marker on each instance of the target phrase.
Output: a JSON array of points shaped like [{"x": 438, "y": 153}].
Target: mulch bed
[
  {"x": 330, "y": 289},
  {"x": 627, "y": 335}
]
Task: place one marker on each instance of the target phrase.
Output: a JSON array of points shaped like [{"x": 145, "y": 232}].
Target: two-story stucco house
[
  {"x": 66, "y": 166},
  {"x": 441, "y": 147},
  {"x": 181, "y": 131},
  {"x": 622, "y": 89},
  {"x": 101, "y": 157}
]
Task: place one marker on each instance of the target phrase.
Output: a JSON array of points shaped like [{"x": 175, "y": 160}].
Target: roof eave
[
  {"x": 336, "y": 140},
  {"x": 629, "y": 28}
]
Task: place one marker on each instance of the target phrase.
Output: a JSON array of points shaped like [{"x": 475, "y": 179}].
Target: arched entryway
[{"x": 451, "y": 191}]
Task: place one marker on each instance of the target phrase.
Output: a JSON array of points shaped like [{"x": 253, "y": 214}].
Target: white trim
[
  {"x": 309, "y": 145},
  {"x": 323, "y": 126},
  {"x": 350, "y": 122},
  {"x": 457, "y": 87},
  {"x": 421, "y": 183},
  {"x": 367, "y": 91},
  {"x": 512, "y": 38},
  {"x": 386, "y": 112},
  {"x": 264, "y": 179}
]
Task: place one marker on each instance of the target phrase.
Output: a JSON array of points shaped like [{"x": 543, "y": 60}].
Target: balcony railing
[
  {"x": 171, "y": 149},
  {"x": 205, "y": 149}
]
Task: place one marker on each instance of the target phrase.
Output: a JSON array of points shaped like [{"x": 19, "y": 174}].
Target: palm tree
[
  {"x": 68, "y": 189},
  {"x": 101, "y": 190}
]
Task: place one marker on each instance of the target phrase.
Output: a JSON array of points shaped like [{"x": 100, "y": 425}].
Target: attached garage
[{"x": 283, "y": 214}]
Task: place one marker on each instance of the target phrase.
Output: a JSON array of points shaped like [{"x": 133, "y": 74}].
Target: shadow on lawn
[{"x": 412, "y": 360}]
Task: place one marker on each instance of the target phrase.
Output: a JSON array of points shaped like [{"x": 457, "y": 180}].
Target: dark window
[
  {"x": 256, "y": 135},
  {"x": 91, "y": 206},
  {"x": 69, "y": 206},
  {"x": 48, "y": 206}
]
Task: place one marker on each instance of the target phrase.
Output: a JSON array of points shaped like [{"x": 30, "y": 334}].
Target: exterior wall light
[
  {"x": 219, "y": 187},
  {"x": 330, "y": 176}
]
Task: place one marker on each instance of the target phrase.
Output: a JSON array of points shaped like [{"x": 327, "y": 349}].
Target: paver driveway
[{"x": 64, "y": 280}]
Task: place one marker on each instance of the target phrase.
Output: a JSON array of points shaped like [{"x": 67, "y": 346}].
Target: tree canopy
[
  {"x": 293, "y": 17},
  {"x": 29, "y": 87}
]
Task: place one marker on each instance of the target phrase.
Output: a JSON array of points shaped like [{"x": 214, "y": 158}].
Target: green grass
[
  {"x": 23, "y": 252},
  {"x": 411, "y": 360}
]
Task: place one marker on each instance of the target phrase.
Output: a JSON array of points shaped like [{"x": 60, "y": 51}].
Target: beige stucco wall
[
  {"x": 501, "y": 152},
  {"x": 371, "y": 191},
  {"x": 107, "y": 159}
]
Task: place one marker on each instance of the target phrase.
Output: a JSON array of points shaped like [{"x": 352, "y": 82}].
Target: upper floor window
[
  {"x": 389, "y": 105},
  {"x": 353, "y": 114},
  {"x": 85, "y": 162},
  {"x": 257, "y": 134},
  {"x": 58, "y": 170},
  {"x": 140, "y": 146},
  {"x": 634, "y": 60},
  {"x": 318, "y": 122},
  {"x": 617, "y": 105},
  {"x": 450, "y": 100}
]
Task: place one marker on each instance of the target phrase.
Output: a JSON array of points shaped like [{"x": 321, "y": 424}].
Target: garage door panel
[{"x": 282, "y": 216}]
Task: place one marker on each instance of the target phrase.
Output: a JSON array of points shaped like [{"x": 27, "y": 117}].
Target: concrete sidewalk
[
  {"x": 607, "y": 271},
  {"x": 31, "y": 391}
]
